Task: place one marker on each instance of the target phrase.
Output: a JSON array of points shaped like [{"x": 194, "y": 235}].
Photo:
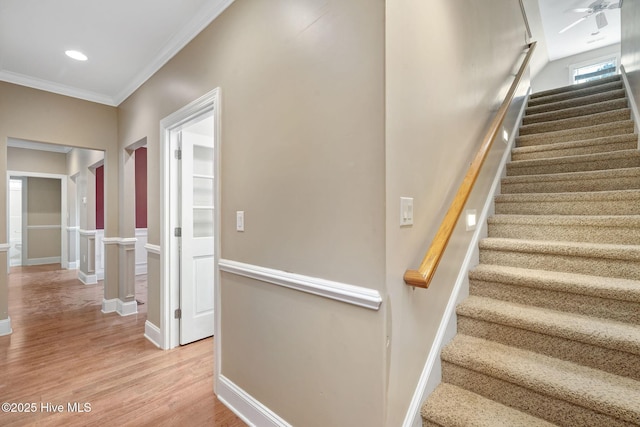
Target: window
[{"x": 596, "y": 71}]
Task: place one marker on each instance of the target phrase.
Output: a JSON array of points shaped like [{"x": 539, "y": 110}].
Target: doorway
[{"x": 190, "y": 222}]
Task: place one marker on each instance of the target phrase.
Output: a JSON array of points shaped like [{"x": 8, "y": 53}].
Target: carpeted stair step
[
  {"x": 604, "y": 344},
  {"x": 559, "y": 391},
  {"x": 621, "y": 261},
  {"x": 603, "y": 180},
  {"x": 575, "y": 87},
  {"x": 577, "y": 134},
  {"x": 610, "y": 229},
  {"x": 582, "y": 110},
  {"x": 619, "y": 202},
  {"x": 576, "y": 102},
  {"x": 598, "y": 296},
  {"x": 451, "y": 406},
  {"x": 577, "y": 122},
  {"x": 577, "y": 163},
  {"x": 575, "y": 148},
  {"x": 576, "y": 93}
]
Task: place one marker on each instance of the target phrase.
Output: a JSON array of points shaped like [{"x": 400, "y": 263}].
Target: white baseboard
[
  {"x": 246, "y": 407},
  {"x": 100, "y": 275},
  {"x": 141, "y": 269},
  {"x": 109, "y": 305},
  {"x": 5, "y": 326},
  {"x": 153, "y": 334},
  {"x": 126, "y": 308},
  {"x": 43, "y": 261},
  {"x": 432, "y": 371},
  {"x": 87, "y": 279},
  {"x": 73, "y": 265}
]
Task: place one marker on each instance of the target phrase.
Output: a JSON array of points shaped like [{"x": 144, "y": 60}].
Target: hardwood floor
[{"x": 64, "y": 351}]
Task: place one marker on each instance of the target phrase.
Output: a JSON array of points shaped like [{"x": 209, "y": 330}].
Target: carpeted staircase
[{"x": 550, "y": 334}]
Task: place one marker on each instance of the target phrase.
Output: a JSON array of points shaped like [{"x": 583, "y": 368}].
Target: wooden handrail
[{"x": 422, "y": 276}]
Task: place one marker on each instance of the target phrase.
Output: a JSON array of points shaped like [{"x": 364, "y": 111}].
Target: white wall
[{"x": 557, "y": 74}]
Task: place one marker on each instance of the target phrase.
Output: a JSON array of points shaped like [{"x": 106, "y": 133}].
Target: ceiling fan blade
[
  {"x": 615, "y": 5},
  {"x": 572, "y": 25},
  {"x": 580, "y": 10},
  {"x": 601, "y": 20}
]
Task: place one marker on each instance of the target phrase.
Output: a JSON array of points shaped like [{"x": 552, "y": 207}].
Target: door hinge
[
  {"x": 178, "y": 313},
  {"x": 177, "y": 232},
  {"x": 178, "y": 154}
]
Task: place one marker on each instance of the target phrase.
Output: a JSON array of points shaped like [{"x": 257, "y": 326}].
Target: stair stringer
[
  {"x": 431, "y": 375},
  {"x": 633, "y": 105}
]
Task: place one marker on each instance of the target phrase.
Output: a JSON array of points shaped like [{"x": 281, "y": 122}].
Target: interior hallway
[{"x": 64, "y": 350}]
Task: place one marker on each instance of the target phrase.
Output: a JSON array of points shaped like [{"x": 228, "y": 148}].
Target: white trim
[
  {"x": 632, "y": 101},
  {"x": 121, "y": 241},
  {"x": 86, "y": 232},
  {"x": 246, "y": 407},
  {"x": 73, "y": 265},
  {"x": 109, "y": 305},
  {"x": 152, "y": 333},
  {"x": 43, "y": 261},
  {"x": 5, "y": 326},
  {"x": 73, "y": 228},
  {"x": 111, "y": 240},
  {"x": 356, "y": 295},
  {"x": 432, "y": 373},
  {"x": 64, "y": 238},
  {"x": 87, "y": 279},
  {"x": 126, "y": 308},
  {"x": 154, "y": 249},
  {"x": 4, "y": 247},
  {"x": 141, "y": 268}
]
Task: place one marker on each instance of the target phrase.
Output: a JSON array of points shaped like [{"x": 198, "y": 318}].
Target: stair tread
[
  {"x": 592, "y": 388},
  {"x": 592, "y": 250},
  {"x": 577, "y": 158},
  {"x": 605, "y": 333},
  {"x": 575, "y": 111},
  {"x": 577, "y": 87},
  {"x": 630, "y": 137},
  {"x": 580, "y": 175},
  {"x": 568, "y": 220},
  {"x": 584, "y": 284},
  {"x": 541, "y": 98},
  {"x": 611, "y": 195},
  {"x": 576, "y": 122},
  {"x": 450, "y": 405},
  {"x": 623, "y": 127},
  {"x": 567, "y": 103}
]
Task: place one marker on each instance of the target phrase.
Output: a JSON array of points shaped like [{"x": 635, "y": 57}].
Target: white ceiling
[
  {"x": 585, "y": 36},
  {"x": 126, "y": 42}
]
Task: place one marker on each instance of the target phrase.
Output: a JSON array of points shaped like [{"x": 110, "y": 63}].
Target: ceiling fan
[{"x": 596, "y": 9}]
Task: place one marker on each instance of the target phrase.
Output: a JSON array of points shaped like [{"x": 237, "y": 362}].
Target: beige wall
[
  {"x": 631, "y": 45},
  {"x": 35, "y": 115},
  {"x": 302, "y": 86},
  {"x": 24, "y": 160},
  {"x": 442, "y": 82}
]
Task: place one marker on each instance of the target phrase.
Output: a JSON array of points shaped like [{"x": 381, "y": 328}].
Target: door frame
[
  {"x": 169, "y": 289},
  {"x": 64, "y": 254}
]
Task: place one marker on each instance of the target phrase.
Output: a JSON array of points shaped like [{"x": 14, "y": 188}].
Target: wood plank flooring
[{"x": 64, "y": 351}]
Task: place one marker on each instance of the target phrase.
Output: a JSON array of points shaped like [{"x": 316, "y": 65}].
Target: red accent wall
[
  {"x": 100, "y": 198},
  {"x": 141, "y": 188}
]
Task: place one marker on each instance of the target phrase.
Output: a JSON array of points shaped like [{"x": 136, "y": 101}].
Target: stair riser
[
  {"x": 537, "y": 404},
  {"x": 574, "y": 151},
  {"x": 595, "y": 266},
  {"x": 579, "y": 134},
  {"x": 593, "y": 207},
  {"x": 605, "y": 308},
  {"x": 515, "y": 169},
  {"x": 578, "y": 122},
  {"x": 575, "y": 111},
  {"x": 612, "y": 361},
  {"x": 574, "y": 94},
  {"x": 578, "y": 102},
  {"x": 578, "y": 87},
  {"x": 582, "y": 184},
  {"x": 626, "y": 235}
]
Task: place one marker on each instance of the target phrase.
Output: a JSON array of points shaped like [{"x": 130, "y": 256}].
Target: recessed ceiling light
[{"x": 78, "y": 56}]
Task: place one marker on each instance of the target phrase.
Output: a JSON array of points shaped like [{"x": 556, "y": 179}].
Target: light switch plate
[
  {"x": 406, "y": 211},
  {"x": 240, "y": 221}
]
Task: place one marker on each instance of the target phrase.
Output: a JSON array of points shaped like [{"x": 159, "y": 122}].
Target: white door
[{"x": 197, "y": 229}]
